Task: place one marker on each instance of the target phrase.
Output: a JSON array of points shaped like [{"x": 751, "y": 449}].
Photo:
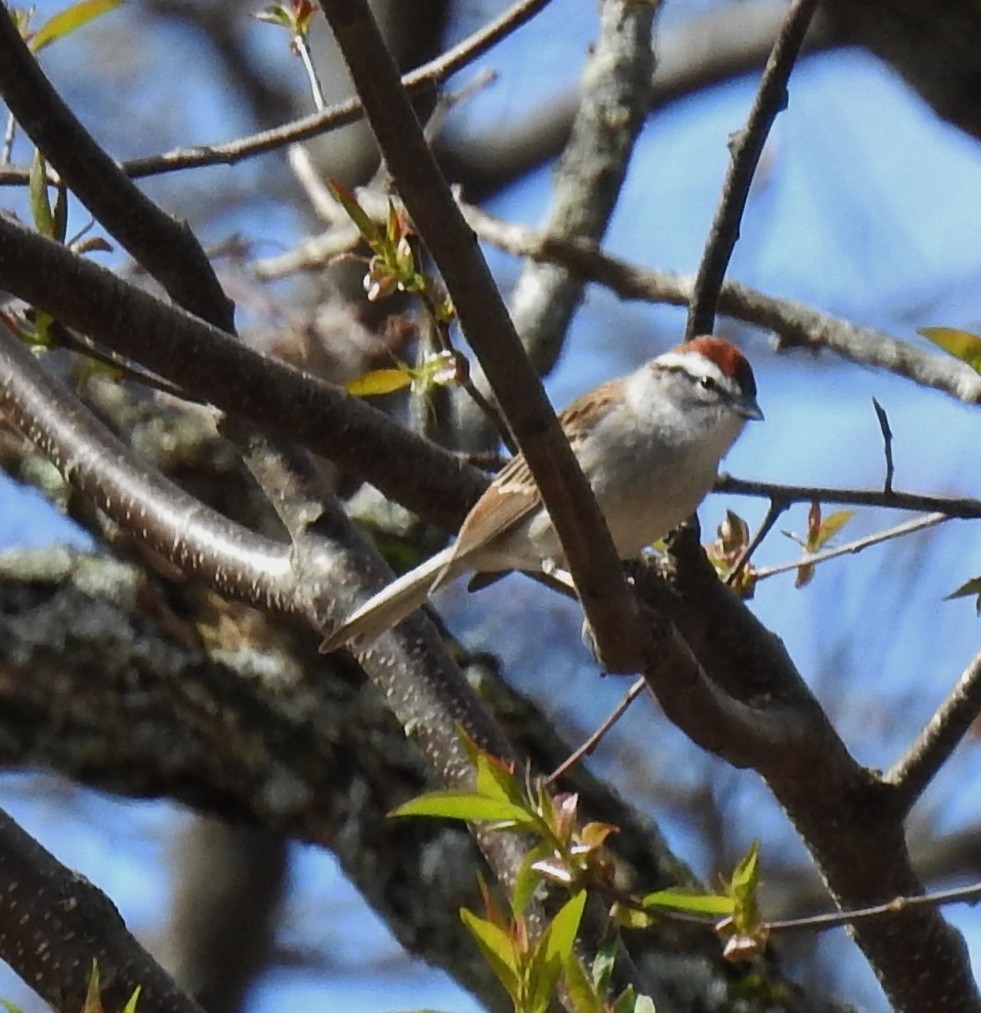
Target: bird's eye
[{"x": 707, "y": 383}]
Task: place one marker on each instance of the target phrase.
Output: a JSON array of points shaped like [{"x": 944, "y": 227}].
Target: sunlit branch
[{"x": 851, "y": 548}]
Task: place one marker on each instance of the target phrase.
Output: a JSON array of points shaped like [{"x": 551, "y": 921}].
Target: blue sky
[{"x": 869, "y": 209}]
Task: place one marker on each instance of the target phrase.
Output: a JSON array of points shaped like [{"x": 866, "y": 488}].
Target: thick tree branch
[
  {"x": 56, "y": 924},
  {"x": 851, "y": 820},
  {"x": 215, "y": 368}
]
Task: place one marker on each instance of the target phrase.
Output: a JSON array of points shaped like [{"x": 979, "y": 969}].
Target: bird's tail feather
[{"x": 393, "y": 603}]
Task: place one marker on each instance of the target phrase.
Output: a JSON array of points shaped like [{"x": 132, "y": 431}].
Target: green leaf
[
  {"x": 962, "y": 345},
  {"x": 10, "y": 1007},
  {"x": 527, "y": 880},
  {"x": 692, "y": 903},
  {"x": 368, "y": 229},
  {"x": 41, "y": 213},
  {"x": 561, "y": 934},
  {"x": 379, "y": 381},
  {"x": 462, "y": 805},
  {"x": 746, "y": 875},
  {"x": 830, "y": 526},
  {"x": 603, "y": 965},
  {"x": 495, "y": 780},
  {"x": 130, "y": 1006},
  {"x": 67, "y": 21},
  {"x": 542, "y": 974},
  {"x": 582, "y": 993},
  {"x": 275, "y": 14},
  {"x": 630, "y": 1002},
  {"x": 496, "y": 948},
  {"x": 93, "y": 999}
]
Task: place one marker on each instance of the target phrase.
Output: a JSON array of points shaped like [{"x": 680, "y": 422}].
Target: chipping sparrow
[{"x": 649, "y": 443}]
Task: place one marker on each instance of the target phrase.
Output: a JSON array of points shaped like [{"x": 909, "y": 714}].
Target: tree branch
[
  {"x": 943, "y": 733},
  {"x": 614, "y": 100},
  {"x": 215, "y": 368},
  {"x": 167, "y": 249},
  {"x": 54, "y": 919},
  {"x": 745, "y": 147},
  {"x": 340, "y": 114},
  {"x": 571, "y": 505},
  {"x": 949, "y": 506},
  {"x": 849, "y": 818}
]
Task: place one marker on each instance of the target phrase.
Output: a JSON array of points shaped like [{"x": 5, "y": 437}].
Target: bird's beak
[{"x": 749, "y": 409}]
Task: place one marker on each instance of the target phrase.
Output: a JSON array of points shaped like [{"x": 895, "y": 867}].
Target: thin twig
[
  {"x": 813, "y": 923},
  {"x": 430, "y": 75},
  {"x": 300, "y": 161},
  {"x": 302, "y": 48},
  {"x": 941, "y": 735},
  {"x": 964, "y": 507},
  {"x": 880, "y": 414},
  {"x": 775, "y": 509},
  {"x": 589, "y": 746},
  {"x": 9, "y": 133},
  {"x": 818, "y": 923},
  {"x": 746, "y": 147},
  {"x": 811, "y": 559}
]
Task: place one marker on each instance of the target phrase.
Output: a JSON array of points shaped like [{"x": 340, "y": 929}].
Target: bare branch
[
  {"x": 333, "y": 117},
  {"x": 164, "y": 517},
  {"x": 745, "y": 147},
  {"x": 946, "y": 505},
  {"x": 774, "y": 510},
  {"x": 953, "y": 719},
  {"x": 56, "y": 923},
  {"x": 613, "y": 103},
  {"x": 819, "y": 923},
  {"x": 851, "y": 548},
  {"x": 880, "y": 414},
  {"x": 589, "y": 746}
]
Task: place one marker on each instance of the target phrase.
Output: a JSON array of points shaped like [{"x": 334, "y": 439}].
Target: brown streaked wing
[
  {"x": 508, "y": 501},
  {"x": 514, "y": 494}
]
